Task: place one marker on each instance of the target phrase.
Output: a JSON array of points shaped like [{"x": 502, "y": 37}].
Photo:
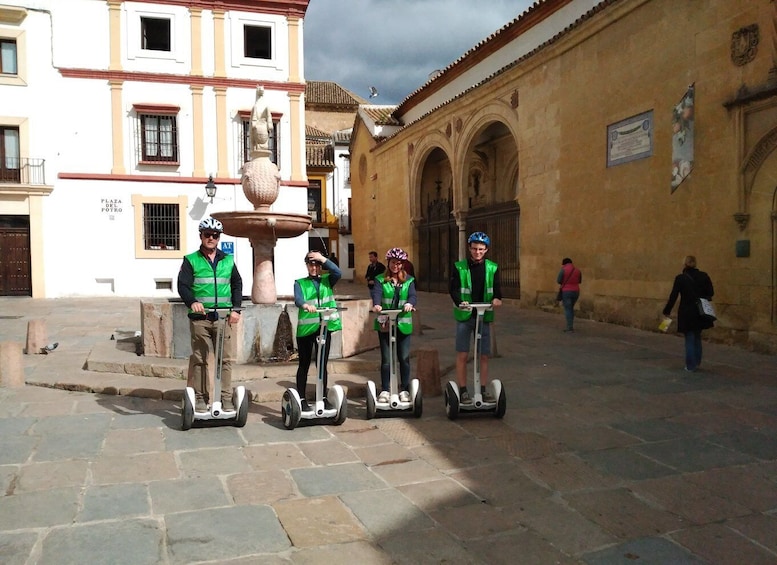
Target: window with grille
[
  {"x": 8, "y": 61},
  {"x": 347, "y": 170},
  {"x": 273, "y": 143},
  {"x": 155, "y": 34},
  {"x": 161, "y": 226},
  {"x": 257, "y": 42},
  {"x": 158, "y": 138}
]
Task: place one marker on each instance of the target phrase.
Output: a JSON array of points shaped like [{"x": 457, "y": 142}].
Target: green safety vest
[
  {"x": 212, "y": 287},
  {"x": 405, "y": 319},
  {"x": 308, "y": 322},
  {"x": 466, "y": 290}
]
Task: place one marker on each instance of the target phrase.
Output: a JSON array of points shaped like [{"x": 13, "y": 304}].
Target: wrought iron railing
[{"x": 14, "y": 170}]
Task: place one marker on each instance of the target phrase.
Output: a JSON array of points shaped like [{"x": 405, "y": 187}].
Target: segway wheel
[
  {"x": 187, "y": 412},
  {"x": 418, "y": 404},
  {"x": 451, "y": 402},
  {"x": 501, "y": 405},
  {"x": 342, "y": 412},
  {"x": 242, "y": 411},
  {"x": 290, "y": 411},
  {"x": 371, "y": 408}
]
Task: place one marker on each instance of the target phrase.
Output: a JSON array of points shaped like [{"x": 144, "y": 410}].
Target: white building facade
[{"x": 113, "y": 116}]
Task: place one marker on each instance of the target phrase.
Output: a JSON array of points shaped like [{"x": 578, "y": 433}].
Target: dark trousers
[
  {"x": 306, "y": 347},
  {"x": 403, "y": 360}
]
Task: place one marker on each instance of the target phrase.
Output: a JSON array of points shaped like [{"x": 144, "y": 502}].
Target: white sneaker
[
  {"x": 404, "y": 396},
  {"x": 384, "y": 397}
]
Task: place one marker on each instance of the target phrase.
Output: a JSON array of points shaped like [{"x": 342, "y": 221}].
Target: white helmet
[{"x": 211, "y": 224}]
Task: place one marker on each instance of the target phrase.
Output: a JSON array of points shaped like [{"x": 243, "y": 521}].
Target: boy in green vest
[
  {"x": 475, "y": 280},
  {"x": 208, "y": 279},
  {"x": 311, "y": 292}
]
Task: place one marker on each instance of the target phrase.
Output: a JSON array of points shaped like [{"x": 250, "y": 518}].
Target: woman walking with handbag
[
  {"x": 569, "y": 279},
  {"x": 692, "y": 284}
]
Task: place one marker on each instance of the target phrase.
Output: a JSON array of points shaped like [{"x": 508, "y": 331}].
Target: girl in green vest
[
  {"x": 395, "y": 289},
  {"x": 311, "y": 292}
]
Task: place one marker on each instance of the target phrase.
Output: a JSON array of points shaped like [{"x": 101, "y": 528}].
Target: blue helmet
[{"x": 479, "y": 237}]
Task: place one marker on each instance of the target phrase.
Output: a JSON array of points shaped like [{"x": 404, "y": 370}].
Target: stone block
[
  {"x": 156, "y": 326},
  {"x": 428, "y": 372},
  {"x": 36, "y": 337},
  {"x": 11, "y": 367}
]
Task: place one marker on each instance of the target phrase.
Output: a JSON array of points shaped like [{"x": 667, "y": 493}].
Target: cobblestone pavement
[{"x": 609, "y": 453}]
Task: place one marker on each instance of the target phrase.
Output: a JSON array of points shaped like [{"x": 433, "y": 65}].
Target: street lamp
[{"x": 210, "y": 188}]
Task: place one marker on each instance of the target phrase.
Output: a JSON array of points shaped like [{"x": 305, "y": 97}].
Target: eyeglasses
[{"x": 210, "y": 235}]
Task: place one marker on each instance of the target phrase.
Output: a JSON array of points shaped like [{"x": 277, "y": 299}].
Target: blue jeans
[
  {"x": 403, "y": 356},
  {"x": 568, "y": 300},
  {"x": 692, "y": 350}
]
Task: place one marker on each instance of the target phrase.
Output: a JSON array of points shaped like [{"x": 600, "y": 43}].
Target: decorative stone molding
[
  {"x": 448, "y": 130},
  {"x": 744, "y": 45},
  {"x": 514, "y": 99},
  {"x": 741, "y": 218}
]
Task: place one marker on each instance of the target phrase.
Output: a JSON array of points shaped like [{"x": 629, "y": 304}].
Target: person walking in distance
[
  {"x": 474, "y": 280},
  {"x": 373, "y": 269},
  {"x": 569, "y": 279},
  {"x": 208, "y": 279},
  {"x": 691, "y": 284}
]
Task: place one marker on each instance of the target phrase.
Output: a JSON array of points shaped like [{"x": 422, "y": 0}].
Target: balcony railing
[{"x": 22, "y": 171}]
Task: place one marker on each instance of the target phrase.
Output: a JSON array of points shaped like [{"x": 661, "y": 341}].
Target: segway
[
  {"x": 394, "y": 404},
  {"x": 240, "y": 399},
  {"x": 335, "y": 407},
  {"x": 453, "y": 404}
]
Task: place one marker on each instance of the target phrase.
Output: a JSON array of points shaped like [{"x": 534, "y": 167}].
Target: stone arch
[
  {"x": 494, "y": 113},
  {"x": 753, "y": 161},
  {"x": 418, "y": 155},
  {"x": 486, "y": 164}
]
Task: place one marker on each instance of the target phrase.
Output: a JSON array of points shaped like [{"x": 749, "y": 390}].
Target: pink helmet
[{"x": 396, "y": 253}]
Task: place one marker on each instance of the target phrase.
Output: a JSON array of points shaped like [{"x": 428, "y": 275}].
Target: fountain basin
[{"x": 256, "y": 224}]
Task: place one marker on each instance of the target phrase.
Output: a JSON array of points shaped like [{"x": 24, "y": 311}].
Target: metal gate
[
  {"x": 438, "y": 239},
  {"x": 15, "y": 277},
  {"x": 500, "y": 222}
]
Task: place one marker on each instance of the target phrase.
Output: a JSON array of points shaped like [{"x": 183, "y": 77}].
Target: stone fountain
[
  {"x": 261, "y": 183},
  {"x": 165, "y": 326}
]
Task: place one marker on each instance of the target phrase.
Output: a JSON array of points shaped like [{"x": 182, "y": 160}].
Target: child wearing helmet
[
  {"x": 208, "y": 279},
  {"x": 394, "y": 289},
  {"x": 474, "y": 280},
  {"x": 310, "y": 293}
]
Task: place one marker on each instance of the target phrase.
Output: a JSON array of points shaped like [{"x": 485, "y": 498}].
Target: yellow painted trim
[
  {"x": 296, "y": 115},
  {"x": 198, "y": 140},
  {"x": 221, "y": 132},
  {"x": 295, "y": 49},
  {"x": 37, "y": 264},
  {"x": 117, "y": 127},
  {"x": 196, "y": 31},
  {"x": 20, "y": 78},
  {"x": 12, "y": 15},
  {"x": 219, "y": 52},
  {"x": 137, "y": 203},
  {"x": 114, "y": 22}
]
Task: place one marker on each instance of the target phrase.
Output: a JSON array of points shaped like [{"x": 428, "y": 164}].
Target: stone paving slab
[{"x": 555, "y": 481}]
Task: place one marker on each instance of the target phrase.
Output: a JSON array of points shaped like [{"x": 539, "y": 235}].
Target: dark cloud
[{"x": 395, "y": 44}]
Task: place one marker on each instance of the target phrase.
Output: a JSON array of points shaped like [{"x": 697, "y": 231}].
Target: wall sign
[
  {"x": 630, "y": 139},
  {"x": 111, "y": 207}
]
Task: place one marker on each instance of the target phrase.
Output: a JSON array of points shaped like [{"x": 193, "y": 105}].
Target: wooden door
[{"x": 15, "y": 277}]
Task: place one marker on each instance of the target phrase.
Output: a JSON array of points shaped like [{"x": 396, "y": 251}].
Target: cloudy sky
[{"x": 394, "y": 44}]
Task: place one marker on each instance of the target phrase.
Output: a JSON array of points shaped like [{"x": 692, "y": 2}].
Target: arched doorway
[
  {"x": 437, "y": 232},
  {"x": 490, "y": 199}
]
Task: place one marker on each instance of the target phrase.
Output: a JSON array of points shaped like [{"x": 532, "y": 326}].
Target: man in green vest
[
  {"x": 209, "y": 279},
  {"x": 312, "y": 292},
  {"x": 475, "y": 280}
]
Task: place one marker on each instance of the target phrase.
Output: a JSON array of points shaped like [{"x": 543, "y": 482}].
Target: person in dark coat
[{"x": 690, "y": 285}]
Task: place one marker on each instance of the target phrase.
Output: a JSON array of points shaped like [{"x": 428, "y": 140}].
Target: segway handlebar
[
  {"x": 214, "y": 314},
  {"x": 480, "y": 306},
  {"x": 328, "y": 311}
]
